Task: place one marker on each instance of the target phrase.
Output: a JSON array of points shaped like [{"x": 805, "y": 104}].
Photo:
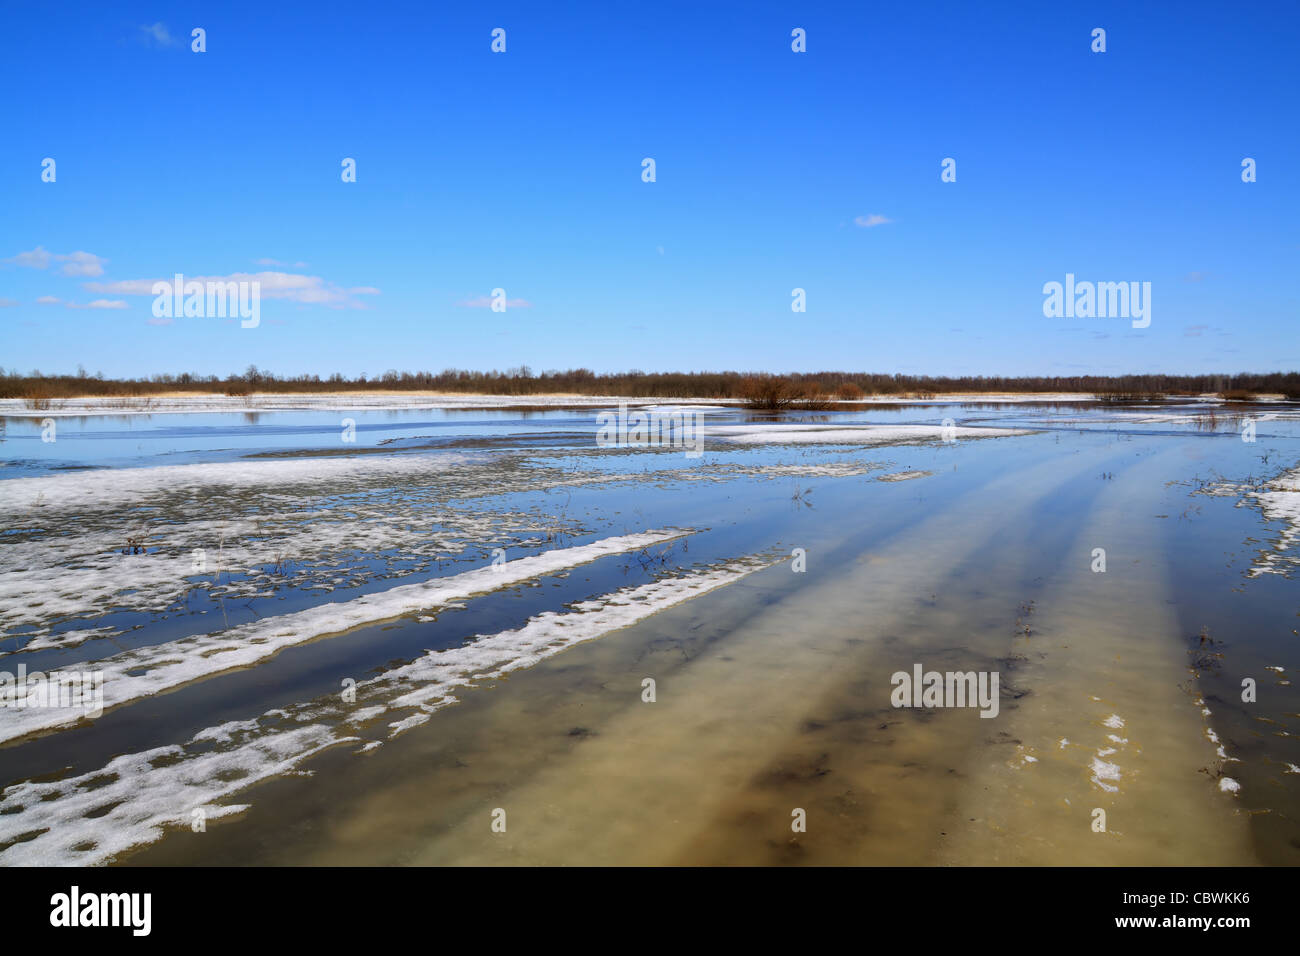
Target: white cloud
[
  {"x": 874, "y": 219},
  {"x": 125, "y": 286},
  {"x": 74, "y": 263},
  {"x": 96, "y": 304},
  {"x": 81, "y": 264},
  {"x": 159, "y": 33},
  {"x": 7, "y": 303},
  {"x": 306, "y": 290},
  {"x": 485, "y": 302},
  {"x": 99, "y": 304},
  {"x": 277, "y": 262},
  {"x": 38, "y": 258}
]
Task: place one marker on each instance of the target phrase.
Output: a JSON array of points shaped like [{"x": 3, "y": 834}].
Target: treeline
[{"x": 581, "y": 381}]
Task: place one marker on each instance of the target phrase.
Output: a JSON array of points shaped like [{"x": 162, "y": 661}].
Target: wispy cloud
[
  {"x": 81, "y": 264},
  {"x": 159, "y": 34},
  {"x": 303, "y": 289},
  {"x": 99, "y": 304},
  {"x": 866, "y": 222},
  {"x": 96, "y": 304},
  {"x": 7, "y": 303},
  {"x": 277, "y": 262},
  {"x": 485, "y": 302},
  {"x": 38, "y": 258},
  {"x": 72, "y": 264}
]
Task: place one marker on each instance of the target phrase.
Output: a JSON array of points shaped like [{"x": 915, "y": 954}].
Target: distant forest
[{"x": 766, "y": 390}]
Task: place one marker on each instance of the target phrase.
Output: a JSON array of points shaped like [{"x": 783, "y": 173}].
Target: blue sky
[{"x": 522, "y": 171}]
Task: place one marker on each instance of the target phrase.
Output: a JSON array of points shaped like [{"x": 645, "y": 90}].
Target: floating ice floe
[
  {"x": 1102, "y": 772},
  {"x": 91, "y": 818},
  {"x": 1278, "y": 500},
  {"x": 904, "y": 475}
]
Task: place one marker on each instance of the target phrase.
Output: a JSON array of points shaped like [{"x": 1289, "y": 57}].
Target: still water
[{"x": 476, "y": 637}]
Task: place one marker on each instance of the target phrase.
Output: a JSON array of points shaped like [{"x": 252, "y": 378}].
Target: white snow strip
[
  {"x": 669, "y": 409},
  {"x": 760, "y": 433},
  {"x": 144, "y": 797},
  {"x": 489, "y": 658},
  {"x": 904, "y": 475},
  {"x": 1281, "y": 503},
  {"x": 237, "y": 530},
  {"x": 139, "y": 673},
  {"x": 52, "y": 816},
  {"x": 1279, "y": 500},
  {"x": 65, "y": 639},
  {"x": 318, "y": 402},
  {"x": 199, "y": 403},
  {"x": 224, "y": 733},
  {"x": 102, "y": 486},
  {"x": 80, "y": 574}
]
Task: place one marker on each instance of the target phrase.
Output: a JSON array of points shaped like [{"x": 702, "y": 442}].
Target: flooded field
[{"x": 413, "y": 635}]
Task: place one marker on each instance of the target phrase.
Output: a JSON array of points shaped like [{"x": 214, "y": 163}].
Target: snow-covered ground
[
  {"x": 321, "y": 402},
  {"x": 1279, "y": 500}
]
